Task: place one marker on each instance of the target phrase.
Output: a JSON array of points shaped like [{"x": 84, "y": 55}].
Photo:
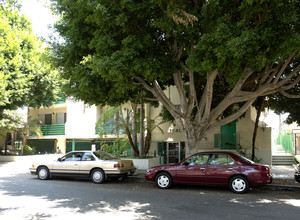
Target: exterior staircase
[{"x": 282, "y": 160}]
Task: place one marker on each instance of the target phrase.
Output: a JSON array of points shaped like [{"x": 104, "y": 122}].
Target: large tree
[
  {"x": 219, "y": 55},
  {"x": 27, "y": 78}
]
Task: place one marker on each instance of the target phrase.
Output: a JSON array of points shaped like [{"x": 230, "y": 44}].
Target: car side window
[
  {"x": 88, "y": 157},
  {"x": 220, "y": 159},
  {"x": 72, "y": 157},
  {"x": 199, "y": 159}
]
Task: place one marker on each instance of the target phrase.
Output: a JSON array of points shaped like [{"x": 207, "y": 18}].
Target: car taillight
[
  {"x": 118, "y": 165},
  {"x": 265, "y": 169}
]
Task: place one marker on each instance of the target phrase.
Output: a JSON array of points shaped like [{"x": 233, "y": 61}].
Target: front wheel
[
  {"x": 43, "y": 173},
  {"x": 163, "y": 181},
  {"x": 239, "y": 184},
  {"x": 97, "y": 176}
]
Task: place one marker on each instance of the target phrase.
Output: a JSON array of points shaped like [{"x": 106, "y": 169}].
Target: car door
[
  {"x": 68, "y": 165},
  {"x": 219, "y": 168},
  {"x": 87, "y": 163},
  {"x": 193, "y": 170}
]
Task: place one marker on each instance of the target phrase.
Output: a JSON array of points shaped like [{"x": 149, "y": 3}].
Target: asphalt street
[{"x": 24, "y": 196}]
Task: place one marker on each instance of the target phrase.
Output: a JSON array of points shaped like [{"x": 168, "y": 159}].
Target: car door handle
[
  {"x": 202, "y": 168},
  {"x": 230, "y": 168}
]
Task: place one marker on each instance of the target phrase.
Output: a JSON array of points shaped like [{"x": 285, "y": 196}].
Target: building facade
[{"x": 69, "y": 125}]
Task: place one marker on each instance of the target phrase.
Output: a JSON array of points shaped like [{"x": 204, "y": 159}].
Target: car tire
[
  {"x": 98, "y": 176},
  {"x": 43, "y": 173},
  {"x": 239, "y": 184},
  {"x": 163, "y": 181},
  {"x": 297, "y": 177}
]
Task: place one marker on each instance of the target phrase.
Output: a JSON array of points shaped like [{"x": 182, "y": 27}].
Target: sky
[{"x": 39, "y": 15}]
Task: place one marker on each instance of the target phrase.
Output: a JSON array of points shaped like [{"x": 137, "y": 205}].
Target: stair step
[{"x": 283, "y": 160}]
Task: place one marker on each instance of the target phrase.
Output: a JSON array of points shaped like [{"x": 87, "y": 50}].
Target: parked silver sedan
[{"x": 96, "y": 165}]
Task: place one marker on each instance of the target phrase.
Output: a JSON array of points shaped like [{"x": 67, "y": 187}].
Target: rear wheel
[
  {"x": 43, "y": 173},
  {"x": 239, "y": 184},
  {"x": 97, "y": 176},
  {"x": 163, "y": 181}
]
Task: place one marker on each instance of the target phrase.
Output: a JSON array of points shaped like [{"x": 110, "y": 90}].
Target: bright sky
[{"x": 39, "y": 15}]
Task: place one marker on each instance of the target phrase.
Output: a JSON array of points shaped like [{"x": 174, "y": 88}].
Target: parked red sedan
[{"x": 212, "y": 168}]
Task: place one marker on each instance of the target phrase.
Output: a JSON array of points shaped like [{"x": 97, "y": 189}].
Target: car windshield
[{"x": 104, "y": 156}]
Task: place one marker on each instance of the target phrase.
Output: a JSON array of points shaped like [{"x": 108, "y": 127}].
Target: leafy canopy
[
  {"x": 27, "y": 78},
  {"x": 110, "y": 42}
]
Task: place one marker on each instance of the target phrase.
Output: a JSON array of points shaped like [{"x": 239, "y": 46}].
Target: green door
[{"x": 228, "y": 136}]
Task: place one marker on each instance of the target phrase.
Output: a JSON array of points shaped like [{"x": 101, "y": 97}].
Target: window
[
  {"x": 199, "y": 159},
  {"x": 220, "y": 159},
  {"x": 61, "y": 118},
  {"x": 88, "y": 157},
  {"x": 48, "y": 119},
  {"x": 72, "y": 157}
]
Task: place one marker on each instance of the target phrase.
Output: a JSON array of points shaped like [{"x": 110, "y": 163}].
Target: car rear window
[
  {"x": 245, "y": 159},
  {"x": 103, "y": 155}
]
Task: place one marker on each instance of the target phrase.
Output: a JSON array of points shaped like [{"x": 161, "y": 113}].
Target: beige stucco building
[{"x": 70, "y": 125}]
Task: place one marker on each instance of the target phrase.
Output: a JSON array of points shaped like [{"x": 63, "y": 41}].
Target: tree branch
[
  {"x": 289, "y": 95},
  {"x": 180, "y": 89}
]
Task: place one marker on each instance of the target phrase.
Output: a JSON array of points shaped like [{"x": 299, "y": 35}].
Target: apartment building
[{"x": 70, "y": 125}]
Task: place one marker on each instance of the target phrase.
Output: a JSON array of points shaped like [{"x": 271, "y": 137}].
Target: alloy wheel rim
[
  {"x": 163, "y": 181},
  {"x": 238, "y": 185}
]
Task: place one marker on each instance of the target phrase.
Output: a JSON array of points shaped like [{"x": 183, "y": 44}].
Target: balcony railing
[
  {"x": 54, "y": 129},
  {"x": 61, "y": 100}
]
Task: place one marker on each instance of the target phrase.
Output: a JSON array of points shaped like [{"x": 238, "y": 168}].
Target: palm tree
[{"x": 112, "y": 120}]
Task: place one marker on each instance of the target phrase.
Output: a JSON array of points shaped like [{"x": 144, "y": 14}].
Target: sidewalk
[{"x": 283, "y": 176}]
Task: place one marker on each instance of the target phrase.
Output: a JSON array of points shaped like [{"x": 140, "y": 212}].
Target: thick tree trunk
[
  {"x": 191, "y": 141},
  {"x": 141, "y": 145},
  {"x": 147, "y": 142},
  {"x": 5, "y": 145},
  {"x": 24, "y": 139},
  {"x": 133, "y": 146},
  {"x": 261, "y": 102},
  {"x": 134, "y": 131}
]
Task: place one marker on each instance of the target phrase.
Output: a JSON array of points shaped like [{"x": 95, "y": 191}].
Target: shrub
[
  {"x": 116, "y": 148},
  {"x": 28, "y": 150}
]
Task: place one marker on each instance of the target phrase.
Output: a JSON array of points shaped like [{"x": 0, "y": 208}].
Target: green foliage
[
  {"x": 243, "y": 152},
  {"x": 28, "y": 150},
  {"x": 109, "y": 42},
  {"x": 112, "y": 121},
  {"x": 117, "y": 147},
  {"x": 112, "y": 45},
  {"x": 26, "y": 75}
]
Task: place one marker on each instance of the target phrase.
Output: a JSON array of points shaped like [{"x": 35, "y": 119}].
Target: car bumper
[
  {"x": 121, "y": 171},
  {"x": 268, "y": 179},
  {"x": 150, "y": 176},
  {"x": 32, "y": 171}
]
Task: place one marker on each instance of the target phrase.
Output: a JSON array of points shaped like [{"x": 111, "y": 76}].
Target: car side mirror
[{"x": 59, "y": 159}]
